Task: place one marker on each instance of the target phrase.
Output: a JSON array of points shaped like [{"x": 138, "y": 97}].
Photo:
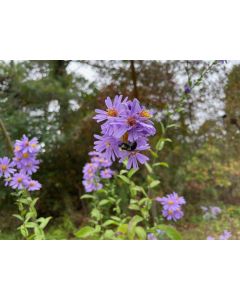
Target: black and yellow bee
[{"x": 128, "y": 146}]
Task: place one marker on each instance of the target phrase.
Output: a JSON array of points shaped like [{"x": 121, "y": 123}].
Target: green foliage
[{"x": 31, "y": 226}]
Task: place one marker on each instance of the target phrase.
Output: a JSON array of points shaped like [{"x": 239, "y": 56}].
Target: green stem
[{"x": 6, "y": 136}]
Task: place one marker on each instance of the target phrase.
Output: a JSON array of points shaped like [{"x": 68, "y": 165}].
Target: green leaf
[
  {"x": 104, "y": 202},
  {"x": 124, "y": 178},
  {"x": 19, "y": 217},
  {"x": 96, "y": 214},
  {"x": 132, "y": 226},
  {"x": 108, "y": 235},
  {"x": 133, "y": 207},
  {"x": 154, "y": 184},
  {"x": 110, "y": 222},
  {"x": 160, "y": 145},
  {"x": 23, "y": 231},
  {"x": 44, "y": 222},
  {"x": 154, "y": 154},
  {"x": 85, "y": 232},
  {"x": 141, "y": 233},
  {"x": 123, "y": 172},
  {"x": 170, "y": 231},
  {"x": 149, "y": 168},
  {"x": 131, "y": 172},
  {"x": 162, "y": 164},
  {"x": 86, "y": 196}
]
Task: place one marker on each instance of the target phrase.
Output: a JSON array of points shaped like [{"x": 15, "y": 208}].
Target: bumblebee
[{"x": 128, "y": 146}]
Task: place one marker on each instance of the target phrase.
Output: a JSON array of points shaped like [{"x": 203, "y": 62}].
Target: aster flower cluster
[
  {"x": 95, "y": 170},
  {"x": 224, "y": 236},
  {"x": 172, "y": 206},
  {"x": 17, "y": 172},
  {"x": 125, "y": 129}
]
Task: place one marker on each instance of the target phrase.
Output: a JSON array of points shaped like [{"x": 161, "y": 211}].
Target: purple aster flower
[
  {"x": 135, "y": 121},
  {"x": 25, "y": 145},
  {"x": 215, "y": 210},
  {"x": 33, "y": 185},
  {"x": 114, "y": 109},
  {"x": 135, "y": 156},
  {"x": 172, "y": 206},
  {"x": 89, "y": 170},
  {"x": 106, "y": 173},
  {"x": 225, "y": 235},
  {"x": 174, "y": 215},
  {"x": 98, "y": 159},
  {"x": 90, "y": 185},
  {"x": 30, "y": 167},
  {"x": 210, "y": 238},
  {"x": 19, "y": 181},
  {"x": 6, "y": 167},
  {"x": 107, "y": 145},
  {"x": 151, "y": 237}
]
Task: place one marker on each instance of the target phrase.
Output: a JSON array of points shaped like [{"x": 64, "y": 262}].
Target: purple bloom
[
  {"x": 107, "y": 145},
  {"x": 135, "y": 156},
  {"x": 151, "y": 236},
  {"x": 215, "y": 210},
  {"x": 90, "y": 185},
  {"x": 210, "y": 238},
  {"x": 135, "y": 121},
  {"x": 225, "y": 235},
  {"x": 89, "y": 170},
  {"x": 106, "y": 173},
  {"x": 19, "y": 181},
  {"x": 113, "y": 109},
  {"x": 6, "y": 167},
  {"x": 187, "y": 89},
  {"x": 25, "y": 145},
  {"x": 33, "y": 185},
  {"x": 172, "y": 206}
]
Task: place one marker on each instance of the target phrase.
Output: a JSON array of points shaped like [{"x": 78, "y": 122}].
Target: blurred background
[{"x": 55, "y": 101}]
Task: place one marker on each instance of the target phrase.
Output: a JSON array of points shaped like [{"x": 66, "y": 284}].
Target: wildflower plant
[{"x": 17, "y": 174}]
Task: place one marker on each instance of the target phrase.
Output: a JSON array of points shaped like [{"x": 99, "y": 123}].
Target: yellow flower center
[
  {"x": 19, "y": 180},
  {"x": 170, "y": 212},
  {"x": 112, "y": 112},
  {"x": 4, "y": 167},
  {"x": 25, "y": 155},
  {"x": 17, "y": 148},
  {"x": 145, "y": 114},
  {"x": 31, "y": 183},
  {"x": 170, "y": 202},
  {"x": 107, "y": 144},
  {"x": 33, "y": 145}
]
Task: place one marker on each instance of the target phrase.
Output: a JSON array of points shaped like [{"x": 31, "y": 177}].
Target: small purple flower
[
  {"x": 89, "y": 170},
  {"x": 33, "y": 185},
  {"x": 25, "y": 145},
  {"x": 19, "y": 181},
  {"x": 135, "y": 156},
  {"x": 172, "y": 206},
  {"x": 90, "y": 185},
  {"x": 225, "y": 235},
  {"x": 151, "y": 237},
  {"x": 187, "y": 89},
  {"x": 107, "y": 145},
  {"x": 171, "y": 214},
  {"x": 215, "y": 210},
  {"x": 6, "y": 167},
  {"x": 106, "y": 173},
  {"x": 210, "y": 238},
  {"x": 113, "y": 109}
]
